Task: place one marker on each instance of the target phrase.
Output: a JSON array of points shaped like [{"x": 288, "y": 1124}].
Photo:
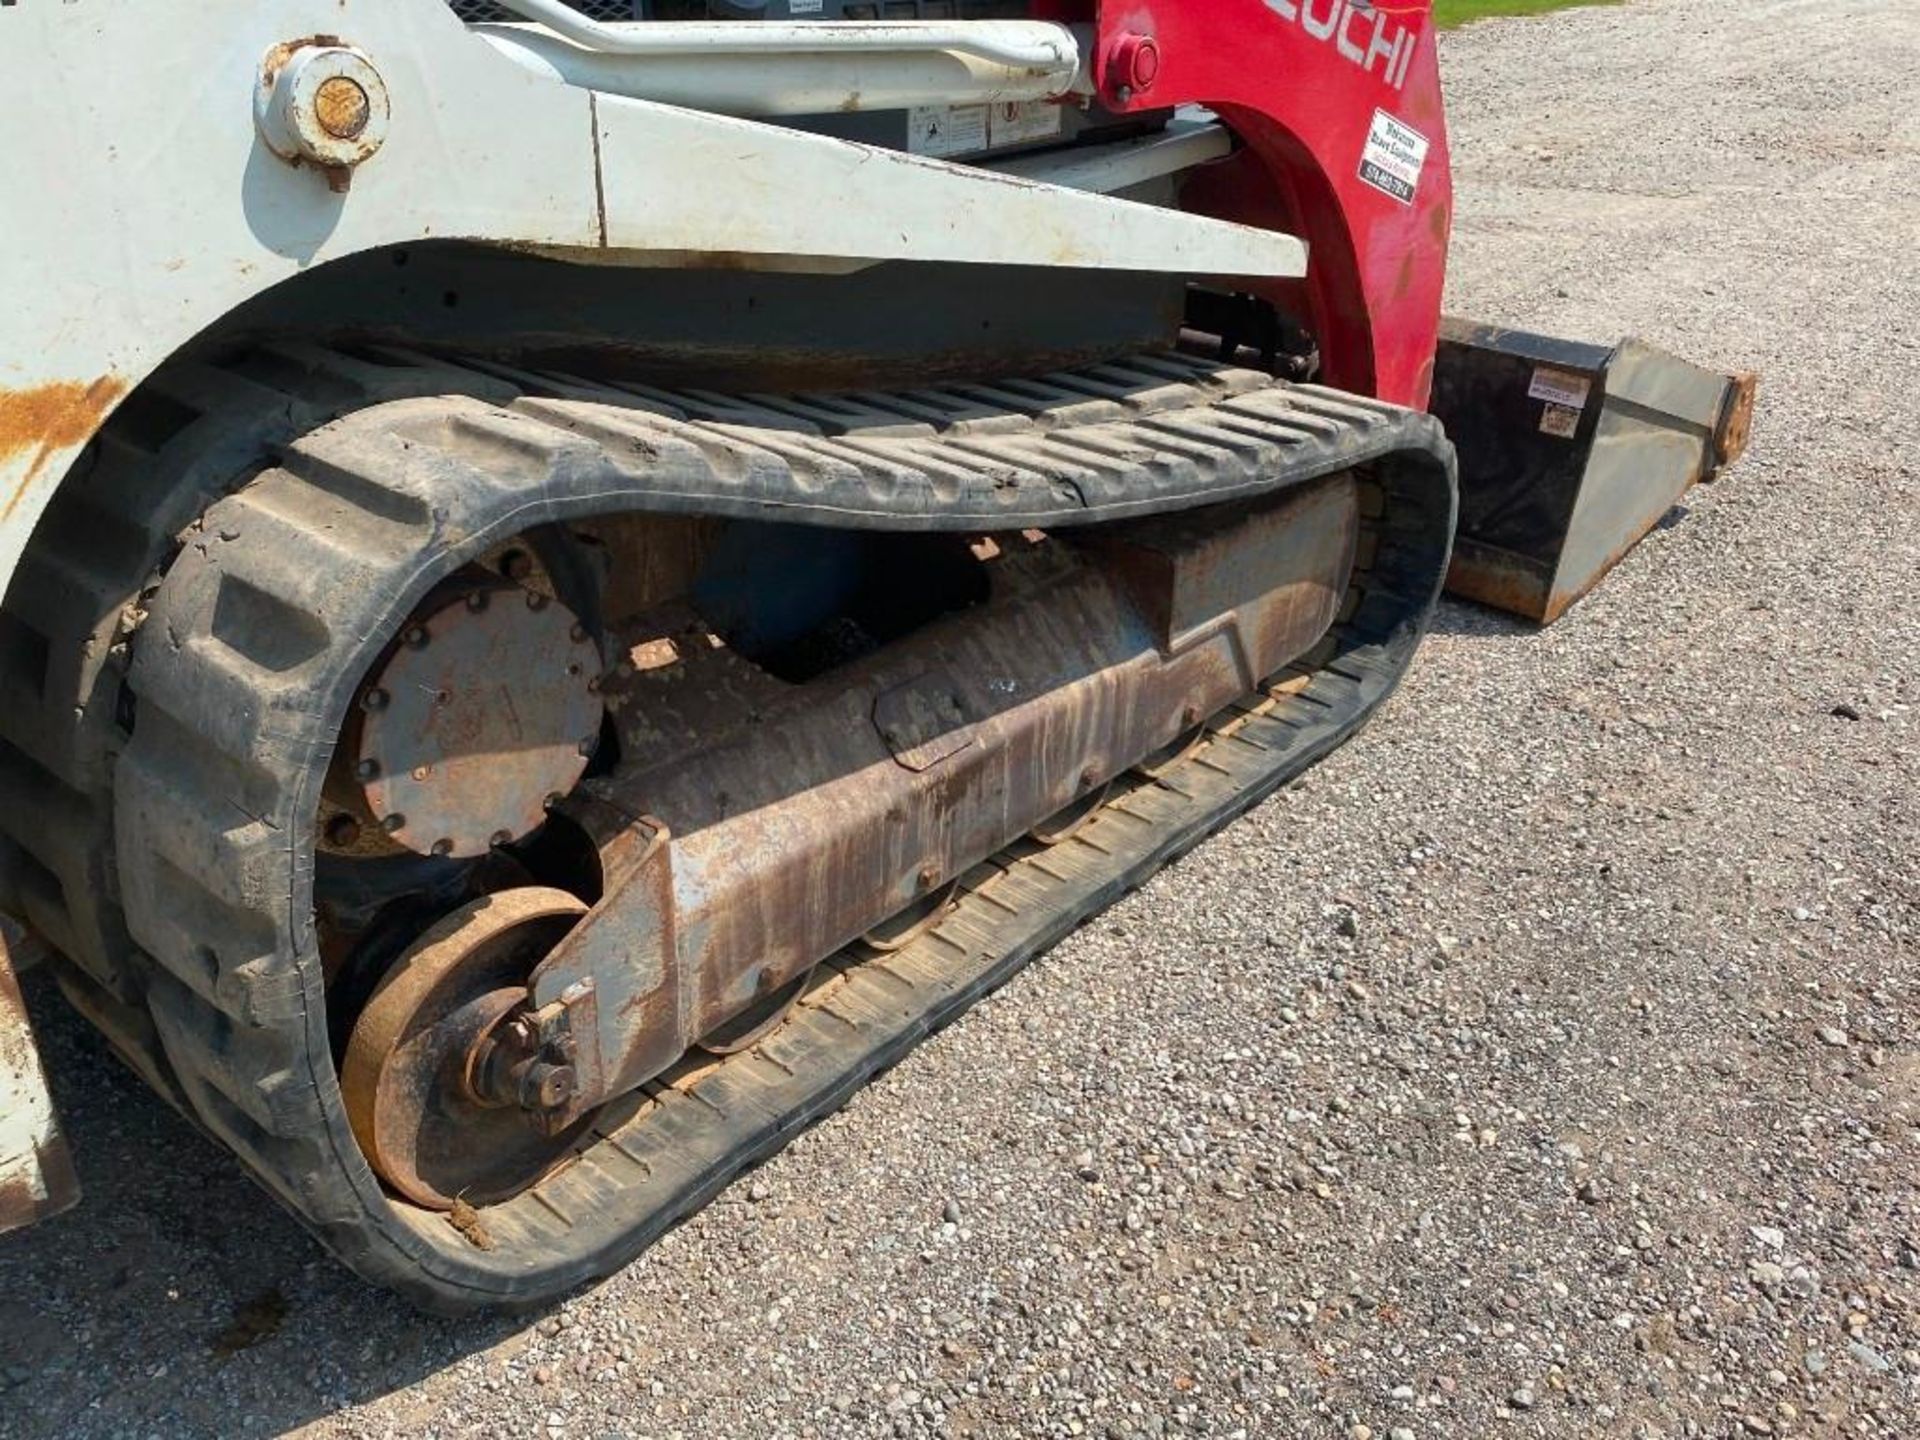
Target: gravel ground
[{"x": 1544, "y": 1064}]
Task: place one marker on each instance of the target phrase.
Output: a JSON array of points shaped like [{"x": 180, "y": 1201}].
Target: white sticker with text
[
  {"x": 1560, "y": 387},
  {"x": 1395, "y": 155},
  {"x": 1016, "y": 120}
]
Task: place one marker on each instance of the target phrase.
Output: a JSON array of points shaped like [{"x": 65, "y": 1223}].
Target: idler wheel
[{"x": 429, "y": 1118}]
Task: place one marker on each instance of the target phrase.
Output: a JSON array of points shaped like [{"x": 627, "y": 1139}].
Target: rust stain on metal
[
  {"x": 1524, "y": 587},
  {"x": 342, "y": 107},
  {"x": 276, "y": 58},
  {"x": 1736, "y": 422},
  {"x": 43, "y": 420}
]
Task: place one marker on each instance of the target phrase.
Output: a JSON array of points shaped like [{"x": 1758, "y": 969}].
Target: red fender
[{"x": 1302, "y": 83}]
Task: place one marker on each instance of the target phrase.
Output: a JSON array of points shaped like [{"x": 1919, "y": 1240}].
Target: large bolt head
[
  {"x": 546, "y": 1087},
  {"x": 1133, "y": 64},
  {"x": 323, "y": 104}
]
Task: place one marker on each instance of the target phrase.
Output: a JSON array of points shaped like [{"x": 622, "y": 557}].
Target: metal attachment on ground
[
  {"x": 1569, "y": 453},
  {"x": 480, "y": 719},
  {"x": 446, "y": 1075},
  {"x": 322, "y": 104}
]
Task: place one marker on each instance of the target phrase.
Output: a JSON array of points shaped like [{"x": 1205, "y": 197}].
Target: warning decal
[
  {"x": 966, "y": 129},
  {"x": 1560, "y": 420},
  {"x": 946, "y": 129},
  {"x": 1394, "y": 157}
]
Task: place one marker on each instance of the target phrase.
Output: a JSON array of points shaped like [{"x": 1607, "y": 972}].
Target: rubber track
[
  {"x": 282, "y": 593},
  {"x": 198, "y": 430}
]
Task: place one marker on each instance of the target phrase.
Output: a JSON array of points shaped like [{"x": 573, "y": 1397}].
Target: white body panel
[
  {"x": 919, "y": 70},
  {"x": 142, "y": 204}
]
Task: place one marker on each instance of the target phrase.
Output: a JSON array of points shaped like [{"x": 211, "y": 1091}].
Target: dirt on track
[{"x": 1547, "y": 1063}]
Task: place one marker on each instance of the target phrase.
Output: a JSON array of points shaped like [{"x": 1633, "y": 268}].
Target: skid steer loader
[{"x": 579, "y": 577}]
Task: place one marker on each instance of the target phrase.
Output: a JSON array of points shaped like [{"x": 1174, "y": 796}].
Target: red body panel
[{"x": 1300, "y": 81}]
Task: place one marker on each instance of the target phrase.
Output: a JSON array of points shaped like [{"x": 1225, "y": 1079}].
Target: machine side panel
[
  {"x": 1339, "y": 102},
  {"x": 158, "y": 206}
]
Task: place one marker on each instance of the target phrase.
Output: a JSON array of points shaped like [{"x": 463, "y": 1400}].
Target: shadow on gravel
[
  {"x": 178, "y": 1298},
  {"x": 1463, "y": 617}
]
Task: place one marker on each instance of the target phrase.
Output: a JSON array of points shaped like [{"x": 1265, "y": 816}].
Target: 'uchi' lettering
[{"x": 1360, "y": 30}]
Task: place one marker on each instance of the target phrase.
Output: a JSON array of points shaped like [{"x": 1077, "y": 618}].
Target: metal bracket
[
  {"x": 612, "y": 987},
  {"x": 923, "y": 720}
]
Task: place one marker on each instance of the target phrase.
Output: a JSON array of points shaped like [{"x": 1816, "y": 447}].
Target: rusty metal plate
[
  {"x": 486, "y": 709},
  {"x": 36, "y": 1170},
  {"x": 923, "y": 721}
]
